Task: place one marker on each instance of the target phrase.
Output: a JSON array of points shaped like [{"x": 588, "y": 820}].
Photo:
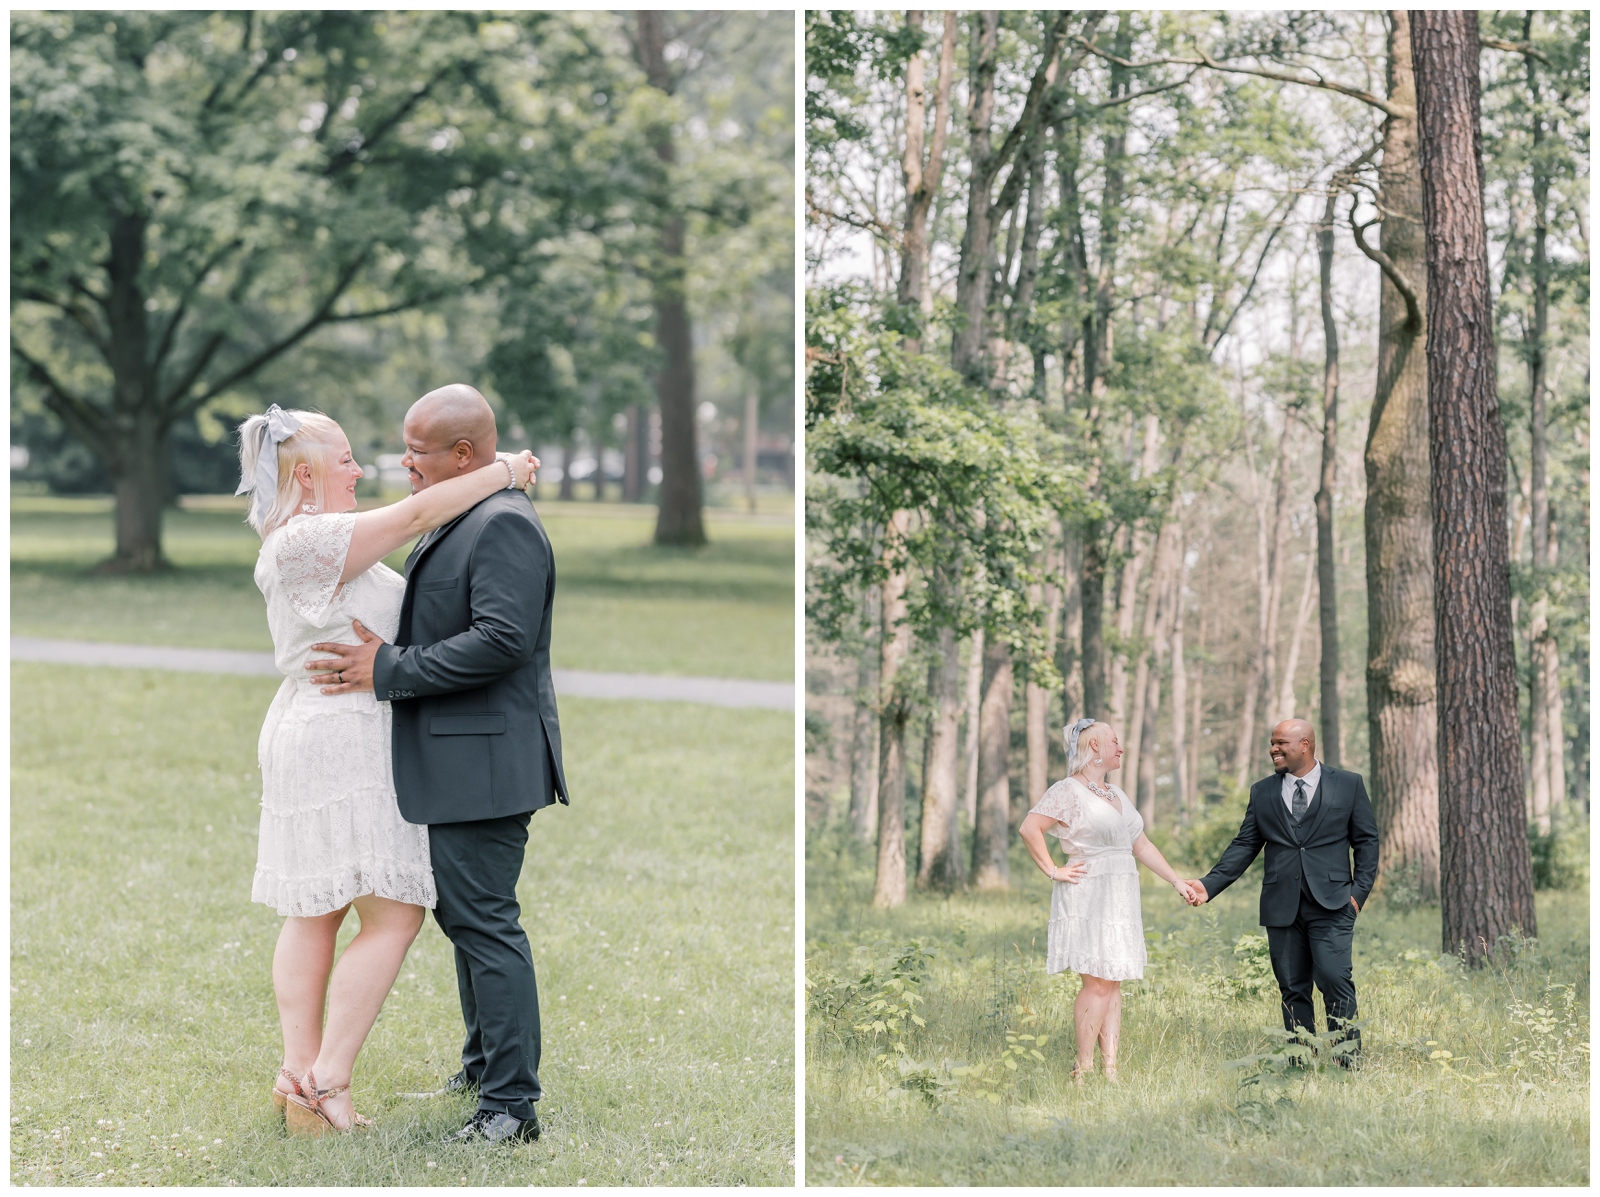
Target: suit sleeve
[
  {"x": 1364, "y": 840},
  {"x": 1238, "y": 855},
  {"x": 507, "y": 575}
]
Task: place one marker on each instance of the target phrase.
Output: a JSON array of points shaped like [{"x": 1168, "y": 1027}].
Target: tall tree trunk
[
  {"x": 864, "y": 741},
  {"x": 1486, "y": 872},
  {"x": 1037, "y": 700},
  {"x": 1163, "y": 591},
  {"x": 890, "y": 886},
  {"x": 1402, "y": 713},
  {"x": 972, "y": 278},
  {"x": 1180, "y": 683},
  {"x": 1127, "y": 596},
  {"x": 678, "y": 519},
  {"x": 1152, "y": 649},
  {"x": 566, "y": 492},
  {"x": 922, "y": 177},
  {"x": 1197, "y": 704},
  {"x": 1327, "y": 480},
  {"x": 940, "y": 861},
  {"x": 138, "y": 462},
  {"x": 991, "y": 835},
  {"x": 1285, "y": 708},
  {"x": 635, "y": 453},
  {"x": 973, "y": 702},
  {"x": 1070, "y": 637},
  {"x": 1544, "y": 691},
  {"x": 752, "y": 415}
]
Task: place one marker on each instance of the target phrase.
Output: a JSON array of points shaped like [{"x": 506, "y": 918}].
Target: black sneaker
[{"x": 491, "y": 1126}]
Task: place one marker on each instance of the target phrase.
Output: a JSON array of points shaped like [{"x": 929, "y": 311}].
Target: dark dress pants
[
  {"x": 1315, "y": 949},
  {"x": 475, "y": 869}
]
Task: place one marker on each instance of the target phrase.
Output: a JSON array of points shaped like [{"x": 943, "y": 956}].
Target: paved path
[{"x": 580, "y": 683}]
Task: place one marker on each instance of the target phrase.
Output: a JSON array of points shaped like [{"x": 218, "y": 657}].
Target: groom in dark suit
[
  {"x": 477, "y": 744},
  {"x": 1311, "y": 818}
]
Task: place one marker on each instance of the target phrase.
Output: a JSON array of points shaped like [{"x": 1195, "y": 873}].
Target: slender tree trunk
[
  {"x": 940, "y": 860},
  {"x": 1162, "y": 594},
  {"x": 678, "y": 519},
  {"x": 1280, "y": 529},
  {"x": 566, "y": 492},
  {"x": 1401, "y": 706},
  {"x": 634, "y": 453},
  {"x": 752, "y": 412},
  {"x": 1198, "y": 706},
  {"x": 1037, "y": 700},
  {"x": 1486, "y": 872},
  {"x": 1092, "y": 613},
  {"x": 1070, "y": 660},
  {"x": 1127, "y": 594},
  {"x": 922, "y": 177},
  {"x": 1327, "y": 480},
  {"x": 991, "y": 838},
  {"x": 1180, "y": 683},
  {"x": 138, "y": 463},
  {"x": 864, "y": 742},
  {"x": 1302, "y": 618},
  {"x": 974, "y": 704},
  {"x": 1152, "y": 649},
  {"x": 894, "y": 709},
  {"x": 1544, "y": 691}
]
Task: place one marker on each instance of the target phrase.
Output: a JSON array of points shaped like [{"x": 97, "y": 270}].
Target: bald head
[
  {"x": 1294, "y": 747},
  {"x": 448, "y": 431}
]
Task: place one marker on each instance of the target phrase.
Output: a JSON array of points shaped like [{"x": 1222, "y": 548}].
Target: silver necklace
[{"x": 1094, "y": 789}]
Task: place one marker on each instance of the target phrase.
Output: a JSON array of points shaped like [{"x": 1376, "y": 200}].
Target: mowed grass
[
  {"x": 1179, "y": 1116},
  {"x": 144, "y": 1033},
  {"x": 622, "y": 605}
]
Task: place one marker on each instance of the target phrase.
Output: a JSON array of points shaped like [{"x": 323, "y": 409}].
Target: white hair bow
[{"x": 276, "y": 427}]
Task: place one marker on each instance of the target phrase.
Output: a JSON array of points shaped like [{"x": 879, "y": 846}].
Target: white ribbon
[{"x": 277, "y": 427}]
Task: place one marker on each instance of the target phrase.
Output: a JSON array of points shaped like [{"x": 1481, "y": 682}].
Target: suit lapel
[
  {"x": 1274, "y": 800},
  {"x": 424, "y": 547}
]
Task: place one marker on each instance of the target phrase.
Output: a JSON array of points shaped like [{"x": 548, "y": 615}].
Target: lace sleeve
[
  {"x": 308, "y": 559},
  {"x": 1060, "y": 802}
]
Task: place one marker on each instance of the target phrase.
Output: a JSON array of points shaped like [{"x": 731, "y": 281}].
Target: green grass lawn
[
  {"x": 1493, "y": 1111},
  {"x": 726, "y": 610},
  {"x": 144, "y": 1034}
]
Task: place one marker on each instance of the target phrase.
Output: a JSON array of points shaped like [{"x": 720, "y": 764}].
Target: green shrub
[
  {"x": 1201, "y": 841},
  {"x": 1561, "y": 858}
]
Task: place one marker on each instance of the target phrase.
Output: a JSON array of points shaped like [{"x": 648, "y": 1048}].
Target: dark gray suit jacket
[
  {"x": 1338, "y": 820},
  {"x": 468, "y": 675}
]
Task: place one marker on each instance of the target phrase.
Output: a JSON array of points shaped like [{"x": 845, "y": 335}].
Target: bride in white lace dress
[
  {"x": 331, "y": 832},
  {"x": 1096, "y": 929}
]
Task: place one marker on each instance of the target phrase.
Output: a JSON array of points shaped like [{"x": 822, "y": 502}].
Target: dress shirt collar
[{"x": 1311, "y": 779}]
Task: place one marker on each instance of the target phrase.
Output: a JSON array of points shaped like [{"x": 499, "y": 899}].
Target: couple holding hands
[{"x": 1310, "y": 818}]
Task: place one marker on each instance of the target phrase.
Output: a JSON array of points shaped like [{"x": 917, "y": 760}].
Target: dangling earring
[
  {"x": 309, "y": 508},
  {"x": 1099, "y": 761}
]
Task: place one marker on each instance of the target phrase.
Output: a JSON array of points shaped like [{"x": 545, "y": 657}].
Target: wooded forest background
[
  {"x": 587, "y": 215},
  {"x": 1117, "y": 403}
]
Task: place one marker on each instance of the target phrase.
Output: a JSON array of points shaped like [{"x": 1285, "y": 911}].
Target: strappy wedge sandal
[
  {"x": 1081, "y": 1071},
  {"x": 280, "y": 1099},
  {"x": 304, "y": 1115}
]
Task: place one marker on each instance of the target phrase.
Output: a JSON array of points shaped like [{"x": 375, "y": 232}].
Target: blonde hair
[{"x": 315, "y": 443}]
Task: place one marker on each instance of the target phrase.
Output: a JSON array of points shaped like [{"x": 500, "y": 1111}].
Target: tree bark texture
[
  {"x": 973, "y": 703},
  {"x": 1180, "y": 683},
  {"x": 939, "y": 864},
  {"x": 1401, "y": 711},
  {"x": 889, "y": 888},
  {"x": 991, "y": 834},
  {"x": 1285, "y": 705},
  {"x": 922, "y": 175},
  {"x": 1069, "y": 659},
  {"x": 972, "y": 279},
  {"x": 678, "y": 520},
  {"x": 1486, "y": 873},
  {"x": 1327, "y": 480}
]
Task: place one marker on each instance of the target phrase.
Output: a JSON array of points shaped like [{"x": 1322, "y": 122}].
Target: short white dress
[
  {"x": 1095, "y": 926},
  {"x": 331, "y": 828}
]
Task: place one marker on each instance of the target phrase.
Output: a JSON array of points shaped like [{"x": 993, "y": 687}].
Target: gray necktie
[{"x": 1299, "y": 800}]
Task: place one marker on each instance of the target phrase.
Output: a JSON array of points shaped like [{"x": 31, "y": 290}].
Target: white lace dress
[
  {"x": 330, "y": 824},
  {"x": 1095, "y": 926}
]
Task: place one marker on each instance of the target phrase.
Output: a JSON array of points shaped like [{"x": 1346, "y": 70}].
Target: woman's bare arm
[
  {"x": 379, "y": 533},
  {"x": 1032, "y": 832},
  {"x": 1150, "y": 856}
]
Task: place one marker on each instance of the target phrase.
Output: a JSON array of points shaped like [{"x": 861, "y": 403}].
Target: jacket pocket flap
[
  {"x": 1338, "y": 874},
  {"x": 467, "y": 725},
  {"x": 438, "y": 584}
]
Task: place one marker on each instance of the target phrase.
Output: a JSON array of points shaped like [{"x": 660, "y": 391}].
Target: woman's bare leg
[
  {"x": 1111, "y": 1030},
  {"x": 360, "y": 983},
  {"x": 1088, "y": 1016},
  {"x": 300, "y": 966}
]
